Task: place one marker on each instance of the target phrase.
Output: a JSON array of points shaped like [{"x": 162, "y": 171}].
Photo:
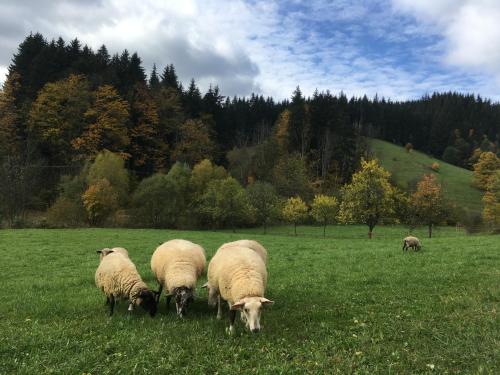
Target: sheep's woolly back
[
  {"x": 237, "y": 272},
  {"x": 120, "y": 250},
  {"x": 178, "y": 263},
  {"x": 117, "y": 276},
  {"x": 412, "y": 241},
  {"x": 251, "y": 244}
]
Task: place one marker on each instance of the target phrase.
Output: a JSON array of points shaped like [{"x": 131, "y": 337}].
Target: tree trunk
[
  {"x": 370, "y": 234},
  {"x": 430, "y": 230},
  {"x": 265, "y": 228},
  {"x": 295, "y": 228},
  {"x": 324, "y": 231}
]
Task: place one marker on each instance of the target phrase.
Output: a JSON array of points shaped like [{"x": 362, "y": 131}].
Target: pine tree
[
  {"x": 169, "y": 78},
  {"x": 154, "y": 81},
  {"x": 192, "y": 100}
]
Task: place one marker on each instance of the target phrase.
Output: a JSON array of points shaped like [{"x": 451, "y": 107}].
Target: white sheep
[
  {"x": 412, "y": 242},
  {"x": 238, "y": 275},
  {"x": 118, "y": 278},
  {"x": 177, "y": 264},
  {"x": 106, "y": 251},
  {"x": 251, "y": 244}
]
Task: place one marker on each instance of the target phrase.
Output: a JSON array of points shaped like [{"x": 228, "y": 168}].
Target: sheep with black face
[
  {"x": 117, "y": 277},
  {"x": 177, "y": 264}
]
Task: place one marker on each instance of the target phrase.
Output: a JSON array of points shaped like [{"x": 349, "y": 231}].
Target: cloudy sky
[{"x": 396, "y": 48}]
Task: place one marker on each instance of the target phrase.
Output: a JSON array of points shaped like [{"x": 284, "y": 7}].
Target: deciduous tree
[
  {"x": 487, "y": 164},
  {"x": 429, "y": 202},
  {"x": 324, "y": 210},
  {"x": 107, "y": 125},
  {"x": 295, "y": 211},
  {"x": 368, "y": 198},
  {"x": 264, "y": 199},
  {"x": 100, "y": 200},
  {"x": 491, "y": 202}
]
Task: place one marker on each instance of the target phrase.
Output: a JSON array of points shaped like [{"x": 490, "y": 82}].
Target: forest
[{"x": 89, "y": 135}]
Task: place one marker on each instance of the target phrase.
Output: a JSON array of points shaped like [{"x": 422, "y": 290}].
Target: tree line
[{"x": 63, "y": 105}]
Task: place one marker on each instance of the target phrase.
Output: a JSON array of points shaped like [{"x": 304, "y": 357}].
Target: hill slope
[{"x": 407, "y": 168}]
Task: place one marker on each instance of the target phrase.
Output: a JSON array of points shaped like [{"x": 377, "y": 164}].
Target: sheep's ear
[
  {"x": 238, "y": 305},
  {"x": 99, "y": 251},
  {"x": 205, "y": 286},
  {"x": 266, "y": 301}
]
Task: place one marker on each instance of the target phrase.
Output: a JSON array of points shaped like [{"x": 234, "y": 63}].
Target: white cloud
[
  {"x": 271, "y": 47},
  {"x": 471, "y": 29}
]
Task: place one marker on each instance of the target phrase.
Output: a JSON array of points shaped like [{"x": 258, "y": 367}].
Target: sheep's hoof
[
  {"x": 219, "y": 316},
  {"x": 230, "y": 330}
]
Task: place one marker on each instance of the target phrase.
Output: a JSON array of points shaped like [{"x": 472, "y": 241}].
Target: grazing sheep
[
  {"x": 412, "y": 242},
  {"x": 118, "y": 278},
  {"x": 238, "y": 275},
  {"x": 106, "y": 251},
  {"x": 251, "y": 244},
  {"x": 177, "y": 264}
]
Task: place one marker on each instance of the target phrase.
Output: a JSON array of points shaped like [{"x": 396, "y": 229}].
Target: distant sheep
[
  {"x": 177, "y": 264},
  {"x": 412, "y": 242},
  {"x": 251, "y": 244},
  {"x": 117, "y": 277},
  {"x": 106, "y": 251},
  {"x": 238, "y": 275}
]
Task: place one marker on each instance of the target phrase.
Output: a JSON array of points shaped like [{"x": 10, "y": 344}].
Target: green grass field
[
  {"x": 343, "y": 305},
  {"x": 406, "y": 168}
]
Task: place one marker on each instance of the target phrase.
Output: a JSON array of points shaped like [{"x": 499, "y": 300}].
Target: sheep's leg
[
  {"x": 219, "y": 308},
  {"x": 111, "y": 304},
  {"x": 158, "y": 295},
  {"x": 169, "y": 297},
  {"x": 107, "y": 301},
  {"x": 232, "y": 316}
]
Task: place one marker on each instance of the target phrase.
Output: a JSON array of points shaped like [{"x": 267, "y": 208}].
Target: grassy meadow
[
  {"x": 343, "y": 304},
  {"x": 408, "y": 167}
]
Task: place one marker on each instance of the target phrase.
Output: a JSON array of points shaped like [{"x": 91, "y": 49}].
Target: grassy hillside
[
  {"x": 407, "y": 168},
  {"x": 346, "y": 305}
]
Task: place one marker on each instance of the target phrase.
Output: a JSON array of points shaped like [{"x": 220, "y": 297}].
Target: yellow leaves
[
  {"x": 295, "y": 210},
  {"x": 324, "y": 208},
  {"x": 100, "y": 200},
  {"x": 487, "y": 164},
  {"x": 368, "y": 197},
  {"x": 282, "y": 130},
  {"x": 491, "y": 202},
  {"x": 107, "y": 127}
]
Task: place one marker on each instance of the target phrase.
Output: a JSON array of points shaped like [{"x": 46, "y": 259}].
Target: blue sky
[{"x": 394, "y": 48}]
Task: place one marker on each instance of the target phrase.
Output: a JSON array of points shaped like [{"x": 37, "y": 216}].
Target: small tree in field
[
  {"x": 100, "y": 200},
  {"x": 368, "y": 198},
  {"x": 429, "y": 202},
  {"x": 264, "y": 199},
  {"x": 295, "y": 211},
  {"x": 324, "y": 210}
]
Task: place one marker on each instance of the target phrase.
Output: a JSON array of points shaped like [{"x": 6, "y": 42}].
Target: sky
[{"x": 398, "y": 49}]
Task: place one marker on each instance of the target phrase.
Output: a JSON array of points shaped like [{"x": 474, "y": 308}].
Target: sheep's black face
[
  {"x": 148, "y": 302},
  {"x": 183, "y": 297}
]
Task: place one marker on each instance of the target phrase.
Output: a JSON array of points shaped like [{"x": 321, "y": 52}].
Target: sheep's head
[
  {"x": 250, "y": 309},
  {"x": 147, "y": 300},
  {"x": 103, "y": 252},
  {"x": 183, "y": 297}
]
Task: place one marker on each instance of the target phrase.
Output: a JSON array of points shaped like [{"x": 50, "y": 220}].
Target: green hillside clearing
[{"x": 408, "y": 167}]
